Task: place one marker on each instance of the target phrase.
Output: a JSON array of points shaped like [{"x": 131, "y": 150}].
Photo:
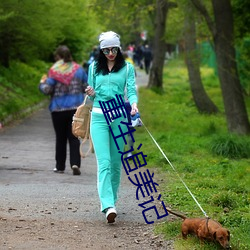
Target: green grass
[
  {"x": 19, "y": 87},
  {"x": 214, "y": 164}
]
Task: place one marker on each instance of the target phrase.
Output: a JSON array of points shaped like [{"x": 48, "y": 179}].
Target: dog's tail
[{"x": 176, "y": 214}]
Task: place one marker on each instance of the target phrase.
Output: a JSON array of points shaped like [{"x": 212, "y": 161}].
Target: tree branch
[
  {"x": 172, "y": 5},
  {"x": 202, "y": 9}
]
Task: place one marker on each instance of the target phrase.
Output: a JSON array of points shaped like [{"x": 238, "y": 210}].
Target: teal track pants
[{"x": 108, "y": 158}]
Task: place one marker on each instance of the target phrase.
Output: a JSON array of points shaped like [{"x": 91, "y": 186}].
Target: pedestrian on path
[
  {"x": 65, "y": 84},
  {"x": 147, "y": 54},
  {"x": 108, "y": 80}
]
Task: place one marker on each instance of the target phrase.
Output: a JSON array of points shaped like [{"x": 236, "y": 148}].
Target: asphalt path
[
  {"x": 29, "y": 189},
  {"x": 27, "y": 151},
  {"x": 26, "y": 164}
]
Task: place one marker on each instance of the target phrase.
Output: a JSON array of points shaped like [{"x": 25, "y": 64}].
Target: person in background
[
  {"x": 147, "y": 54},
  {"x": 128, "y": 59},
  {"x": 138, "y": 52},
  {"x": 93, "y": 54},
  {"x": 109, "y": 76},
  {"x": 92, "y": 57},
  {"x": 65, "y": 83}
]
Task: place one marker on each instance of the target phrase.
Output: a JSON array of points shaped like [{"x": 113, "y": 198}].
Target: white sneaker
[
  {"x": 58, "y": 171},
  {"x": 76, "y": 170},
  {"x": 111, "y": 215},
  {"x": 129, "y": 154}
]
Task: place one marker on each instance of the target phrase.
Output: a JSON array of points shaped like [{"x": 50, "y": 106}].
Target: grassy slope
[
  {"x": 19, "y": 87},
  {"x": 220, "y": 184}
]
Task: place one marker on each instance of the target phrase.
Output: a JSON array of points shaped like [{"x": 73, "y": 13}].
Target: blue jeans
[{"x": 108, "y": 158}]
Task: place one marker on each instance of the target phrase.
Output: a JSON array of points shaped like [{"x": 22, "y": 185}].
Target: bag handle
[
  {"x": 87, "y": 137},
  {"x": 85, "y": 99},
  {"x": 90, "y": 149}
]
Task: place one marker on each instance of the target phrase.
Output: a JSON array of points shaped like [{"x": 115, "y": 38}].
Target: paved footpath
[{"x": 40, "y": 209}]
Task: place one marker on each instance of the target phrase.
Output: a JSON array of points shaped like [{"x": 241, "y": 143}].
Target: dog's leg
[
  {"x": 201, "y": 242},
  {"x": 184, "y": 234}
]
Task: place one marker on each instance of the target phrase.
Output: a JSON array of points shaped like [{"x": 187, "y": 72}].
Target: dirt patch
[{"x": 52, "y": 234}]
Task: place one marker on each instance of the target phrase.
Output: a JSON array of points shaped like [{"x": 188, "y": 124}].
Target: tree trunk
[
  {"x": 235, "y": 109},
  {"x": 159, "y": 46},
  {"x": 223, "y": 38},
  {"x": 201, "y": 99}
]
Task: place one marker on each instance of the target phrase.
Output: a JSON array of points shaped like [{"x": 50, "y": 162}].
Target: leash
[
  {"x": 175, "y": 171},
  {"x": 207, "y": 224}
]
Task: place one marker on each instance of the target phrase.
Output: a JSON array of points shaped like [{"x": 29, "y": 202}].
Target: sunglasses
[{"x": 106, "y": 51}]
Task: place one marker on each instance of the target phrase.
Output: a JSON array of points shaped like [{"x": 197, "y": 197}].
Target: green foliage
[
  {"x": 128, "y": 18},
  {"x": 224, "y": 200},
  {"x": 219, "y": 183},
  {"x": 231, "y": 146},
  {"x": 175, "y": 25},
  {"x": 241, "y": 17},
  {"x": 19, "y": 87},
  {"x": 170, "y": 230},
  {"x": 29, "y": 33},
  {"x": 243, "y": 60},
  {"x": 210, "y": 129}
]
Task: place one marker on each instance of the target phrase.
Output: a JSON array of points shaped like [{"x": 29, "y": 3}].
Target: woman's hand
[
  {"x": 90, "y": 91},
  {"x": 43, "y": 79},
  {"x": 134, "y": 109}
]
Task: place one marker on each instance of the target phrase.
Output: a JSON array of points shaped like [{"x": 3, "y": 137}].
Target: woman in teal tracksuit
[{"x": 108, "y": 76}]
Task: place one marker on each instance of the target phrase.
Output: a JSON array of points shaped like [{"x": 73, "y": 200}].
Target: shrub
[
  {"x": 224, "y": 200},
  {"x": 231, "y": 146}
]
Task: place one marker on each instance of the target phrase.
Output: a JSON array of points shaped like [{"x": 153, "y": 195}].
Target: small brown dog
[{"x": 205, "y": 229}]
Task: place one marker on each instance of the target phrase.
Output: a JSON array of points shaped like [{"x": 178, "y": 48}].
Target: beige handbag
[{"x": 81, "y": 126}]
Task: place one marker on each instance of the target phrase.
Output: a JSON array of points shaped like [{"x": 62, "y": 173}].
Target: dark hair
[
  {"x": 64, "y": 53},
  {"x": 102, "y": 67}
]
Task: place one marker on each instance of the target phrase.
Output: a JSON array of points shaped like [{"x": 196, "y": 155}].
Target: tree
[
  {"x": 23, "y": 33},
  {"x": 128, "y": 18},
  {"x": 28, "y": 33},
  {"x": 223, "y": 38},
  {"x": 201, "y": 99},
  {"x": 159, "y": 46}
]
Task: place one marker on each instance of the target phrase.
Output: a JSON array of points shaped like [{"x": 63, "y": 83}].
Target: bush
[
  {"x": 231, "y": 146},
  {"x": 19, "y": 88},
  {"x": 224, "y": 200}
]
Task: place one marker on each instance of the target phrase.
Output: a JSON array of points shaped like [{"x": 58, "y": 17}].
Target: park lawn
[{"x": 220, "y": 183}]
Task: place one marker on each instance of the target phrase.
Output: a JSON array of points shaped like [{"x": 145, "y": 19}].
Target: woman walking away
[
  {"x": 65, "y": 83},
  {"x": 108, "y": 76}
]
